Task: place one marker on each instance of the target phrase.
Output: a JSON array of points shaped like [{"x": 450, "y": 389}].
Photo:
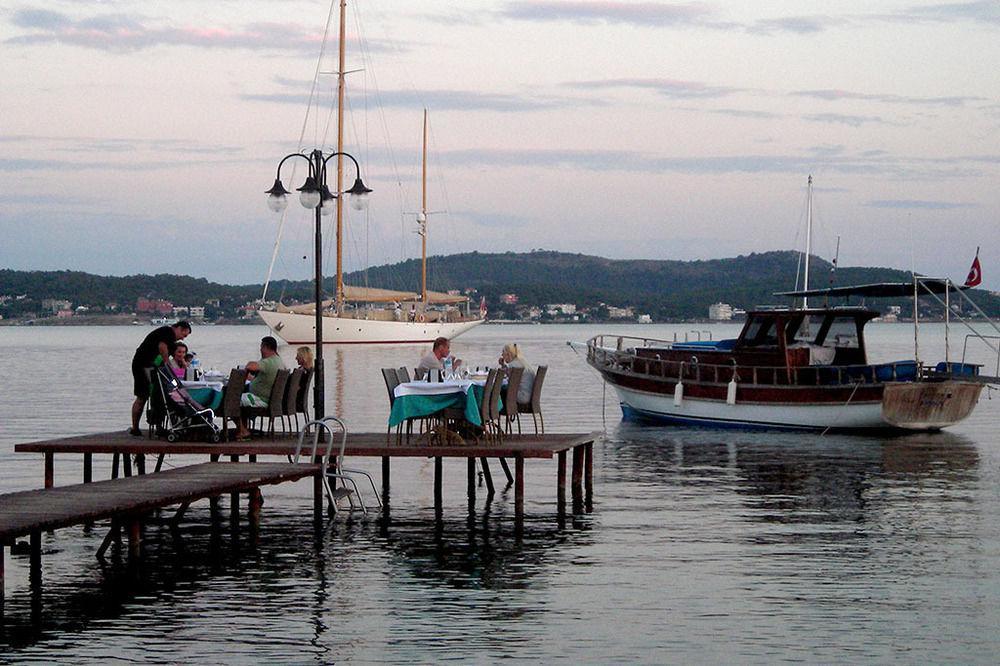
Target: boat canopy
[
  {"x": 373, "y": 295},
  {"x": 881, "y": 289}
]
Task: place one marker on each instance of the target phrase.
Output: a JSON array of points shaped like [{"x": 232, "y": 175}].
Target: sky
[{"x": 139, "y": 137}]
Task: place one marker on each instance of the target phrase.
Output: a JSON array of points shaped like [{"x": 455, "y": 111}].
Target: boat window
[
  {"x": 761, "y": 332},
  {"x": 843, "y": 333},
  {"x": 805, "y": 330}
]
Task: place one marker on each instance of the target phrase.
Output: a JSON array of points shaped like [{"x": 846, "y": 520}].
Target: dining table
[
  {"x": 422, "y": 399},
  {"x": 207, "y": 393}
]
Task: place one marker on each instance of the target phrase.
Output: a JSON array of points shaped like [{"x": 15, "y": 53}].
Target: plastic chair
[
  {"x": 509, "y": 407},
  {"x": 391, "y": 380}
]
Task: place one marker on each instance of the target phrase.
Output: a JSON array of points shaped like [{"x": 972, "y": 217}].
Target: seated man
[
  {"x": 259, "y": 390},
  {"x": 435, "y": 358}
]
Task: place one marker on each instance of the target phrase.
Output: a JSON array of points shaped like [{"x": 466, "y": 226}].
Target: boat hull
[
  {"x": 789, "y": 415},
  {"x": 300, "y": 329}
]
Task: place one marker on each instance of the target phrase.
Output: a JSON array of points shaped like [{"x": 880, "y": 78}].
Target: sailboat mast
[
  {"x": 340, "y": 160},
  {"x": 809, "y": 230},
  {"x": 423, "y": 213}
]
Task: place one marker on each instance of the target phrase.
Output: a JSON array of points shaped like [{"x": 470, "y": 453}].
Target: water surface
[{"x": 702, "y": 546}]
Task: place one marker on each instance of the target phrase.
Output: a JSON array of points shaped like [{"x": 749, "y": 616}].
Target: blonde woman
[
  {"x": 511, "y": 357},
  {"x": 304, "y": 357}
]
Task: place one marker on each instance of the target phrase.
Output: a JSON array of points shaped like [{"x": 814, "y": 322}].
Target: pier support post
[
  {"x": 519, "y": 486},
  {"x": 2, "y": 557},
  {"x": 88, "y": 467},
  {"x": 50, "y": 465},
  {"x": 561, "y": 482},
  {"x": 438, "y": 472},
  {"x": 318, "y": 497},
  {"x": 35, "y": 565},
  {"x": 256, "y": 502},
  {"x": 385, "y": 478},
  {"x": 577, "y": 472},
  {"x": 134, "y": 538},
  {"x": 140, "y": 463},
  {"x": 588, "y": 473},
  {"x": 471, "y": 477}
]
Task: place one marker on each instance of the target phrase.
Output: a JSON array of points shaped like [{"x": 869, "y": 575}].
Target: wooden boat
[{"x": 804, "y": 369}]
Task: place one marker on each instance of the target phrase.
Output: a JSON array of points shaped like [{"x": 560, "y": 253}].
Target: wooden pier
[
  {"x": 574, "y": 449},
  {"x": 127, "y": 501}
]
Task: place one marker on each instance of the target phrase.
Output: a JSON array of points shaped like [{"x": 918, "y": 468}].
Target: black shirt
[{"x": 149, "y": 349}]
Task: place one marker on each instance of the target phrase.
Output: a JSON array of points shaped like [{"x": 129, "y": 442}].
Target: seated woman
[
  {"x": 511, "y": 357},
  {"x": 180, "y": 363},
  {"x": 304, "y": 357}
]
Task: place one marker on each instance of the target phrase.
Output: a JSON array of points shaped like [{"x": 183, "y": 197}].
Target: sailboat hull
[{"x": 296, "y": 329}]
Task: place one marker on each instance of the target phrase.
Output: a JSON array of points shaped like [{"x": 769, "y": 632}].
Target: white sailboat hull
[{"x": 300, "y": 329}]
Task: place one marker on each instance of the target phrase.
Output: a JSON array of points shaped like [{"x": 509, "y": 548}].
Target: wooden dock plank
[
  {"x": 35, "y": 510},
  {"x": 358, "y": 445}
]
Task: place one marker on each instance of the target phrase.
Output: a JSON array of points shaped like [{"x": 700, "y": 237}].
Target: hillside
[{"x": 663, "y": 289}]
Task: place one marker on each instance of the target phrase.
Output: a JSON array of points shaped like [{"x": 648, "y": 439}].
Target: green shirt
[{"x": 262, "y": 383}]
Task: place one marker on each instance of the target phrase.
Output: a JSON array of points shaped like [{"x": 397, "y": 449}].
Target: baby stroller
[{"x": 177, "y": 414}]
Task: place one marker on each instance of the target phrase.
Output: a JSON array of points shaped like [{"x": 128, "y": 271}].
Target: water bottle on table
[{"x": 448, "y": 368}]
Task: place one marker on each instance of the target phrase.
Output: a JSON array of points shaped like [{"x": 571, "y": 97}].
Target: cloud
[
  {"x": 833, "y": 95},
  {"x": 800, "y": 25},
  {"x": 440, "y": 100},
  {"x": 740, "y": 113},
  {"x": 637, "y": 162},
  {"x": 982, "y": 11},
  {"x": 912, "y": 203},
  {"x": 672, "y": 88},
  {"x": 844, "y": 119},
  {"x": 123, "y": 33},
  {"x": 647, "y": 14}
]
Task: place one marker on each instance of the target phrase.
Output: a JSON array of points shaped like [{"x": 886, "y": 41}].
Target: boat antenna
[
  {"x": 809, "y": 228},
  {"x": 833, "y": 271}
]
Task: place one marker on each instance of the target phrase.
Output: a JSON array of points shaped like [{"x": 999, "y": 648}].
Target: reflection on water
[{"x": 703, "y": 546}]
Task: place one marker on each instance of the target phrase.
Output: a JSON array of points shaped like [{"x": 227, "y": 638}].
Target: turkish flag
[{"x": 975, "y": 274}]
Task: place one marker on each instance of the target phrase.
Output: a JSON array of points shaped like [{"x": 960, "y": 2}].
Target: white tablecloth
[
  {"x": 435, "y": 388},
  {"x": 218, "y": 386}
]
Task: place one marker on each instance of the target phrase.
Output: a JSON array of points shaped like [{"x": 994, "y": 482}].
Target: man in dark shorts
[{"x": 161, "y": 342}]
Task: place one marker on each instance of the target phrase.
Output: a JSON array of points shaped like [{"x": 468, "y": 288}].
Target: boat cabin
[{"x": 783, "y": 338}]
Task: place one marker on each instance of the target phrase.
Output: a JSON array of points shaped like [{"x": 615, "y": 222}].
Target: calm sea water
[{"x": 703, "y": 546}]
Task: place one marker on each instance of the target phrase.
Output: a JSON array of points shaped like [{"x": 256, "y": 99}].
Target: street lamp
[{"x": 316, "y": 195}]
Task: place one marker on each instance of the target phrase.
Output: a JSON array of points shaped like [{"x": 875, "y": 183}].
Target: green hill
[{"x": 664, "y": 289}]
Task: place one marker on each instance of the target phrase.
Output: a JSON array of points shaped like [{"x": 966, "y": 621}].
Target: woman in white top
[{"x": 511, "y": 357}]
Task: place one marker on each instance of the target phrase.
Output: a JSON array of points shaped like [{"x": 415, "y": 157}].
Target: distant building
[
  {"x": 64, "y": 314},
  {"x": 720, "y": 312},
  {"x": 508, "y": 299},
  {"x": 561, "y": 308},
  {"x": 645, "y": 319},
  {"x": 180, "y": 311},
  {"x": 154, "y": 306},
  {"x": 196, "y": 312},
  {"x": 55, "y": 305},
  {"x": 620, "y": 313},
  {"x": 534, "y": 313}
]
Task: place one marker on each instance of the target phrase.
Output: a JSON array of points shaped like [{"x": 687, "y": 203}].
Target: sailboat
[{"x": 378, "y": 315}]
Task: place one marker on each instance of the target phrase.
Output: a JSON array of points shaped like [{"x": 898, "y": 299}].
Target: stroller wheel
[
  {"x": 171, "y": 437},
  {"x": 215, "y": 437}
]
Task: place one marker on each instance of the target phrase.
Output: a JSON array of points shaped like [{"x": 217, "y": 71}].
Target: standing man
[{"x": 161, "y": 342}]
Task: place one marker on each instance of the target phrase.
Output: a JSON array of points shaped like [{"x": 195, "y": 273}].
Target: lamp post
[{"x": 316, "y": 195}]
